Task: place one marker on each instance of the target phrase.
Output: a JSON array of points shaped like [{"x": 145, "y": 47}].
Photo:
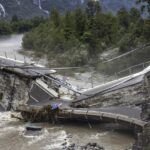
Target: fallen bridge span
[{"x": 103, "y": 115}]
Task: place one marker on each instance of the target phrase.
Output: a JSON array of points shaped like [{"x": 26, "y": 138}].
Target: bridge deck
[
  {"x": 114, "y": 85},
  {"x": 122, "y": 115},
  {"x": 102, "y": 116},
  {"x": 37, "y": 71}
]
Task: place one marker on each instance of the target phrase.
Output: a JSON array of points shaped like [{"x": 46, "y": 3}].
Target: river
[
  {"x": 10, "y": 46},
  {"x": 53, "y": 137}
]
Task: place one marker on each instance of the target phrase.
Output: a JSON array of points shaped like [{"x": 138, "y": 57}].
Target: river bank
[{"x": 13, "y": 135}]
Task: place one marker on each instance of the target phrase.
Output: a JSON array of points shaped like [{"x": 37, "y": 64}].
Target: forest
[
  {"x": 78, "y": 37},
  {"x": 17, "y": 25}
]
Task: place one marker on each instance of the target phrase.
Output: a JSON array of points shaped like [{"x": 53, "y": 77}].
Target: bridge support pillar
[
  {"x": 146, "y": 110},
  {"x": 143, "y": 139}
]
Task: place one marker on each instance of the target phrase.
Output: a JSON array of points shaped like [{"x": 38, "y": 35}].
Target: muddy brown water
[{"x": 53, "y": 137}]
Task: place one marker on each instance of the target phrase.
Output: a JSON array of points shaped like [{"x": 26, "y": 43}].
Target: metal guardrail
[
  {"x": 132, "y": 67},
  {"x": 130, "y": 52},
  {"x": 126, "y": 72},
  {"x": 129, "y": 70}
]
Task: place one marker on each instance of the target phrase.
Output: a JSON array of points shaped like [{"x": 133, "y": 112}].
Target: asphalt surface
[
  {"x": 111, "y": 86},
  {"x": 39, "y": 97},
  {"x": 115, "y": 85},
  {"x": 127, "y": 111},
  {"x": 23, "y": 68}
]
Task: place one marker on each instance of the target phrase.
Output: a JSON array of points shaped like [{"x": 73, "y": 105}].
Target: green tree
[
  {"x": 92, "y": 43},
  {"x": 79, "y": 22},
  {"x": 145, "y": 5},
  {"x": 55, "y": 18},
  {"x": 14, "y": 18},
  {"x": 22, "y": 26},
  {"x": 105, "y": 27},
  {"x": 136, "y": 29},
  {"x": 68, "y": 25},
  {"x": 136, "y": 25},
  {"x": 123, "y": 18},
  {"x": 5, "y": 28},
  {"x": 127, "y": 43},
  {"x": 134, "y": 15},
  {"x": 92, "y": 8},
  {"x": 36, "y": 21},
  {"x": 146, "y": 30}
]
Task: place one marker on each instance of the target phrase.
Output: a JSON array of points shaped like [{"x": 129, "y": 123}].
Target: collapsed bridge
[{"x": 23, "y": 89}]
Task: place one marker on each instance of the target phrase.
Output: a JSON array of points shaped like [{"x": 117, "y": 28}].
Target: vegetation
[
  {"x": 145, "y": 5},
  {"x": 80, "y": 36},
  {"x": 19, "y": 25},
  {"x": 148, "y": 148},
  {"x": 76, "y": 37}
]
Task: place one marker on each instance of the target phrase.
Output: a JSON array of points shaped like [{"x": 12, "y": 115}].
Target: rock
[
  {"x": 88, "y": 146},
  {"x": 65, "y": 143},
  {"x": 72, "y": 145},
  {"x": 93, "y": 144}
]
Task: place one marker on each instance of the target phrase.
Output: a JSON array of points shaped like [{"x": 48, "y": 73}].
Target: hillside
[
  {"x": 107, "y": 5},
  {"x": 31, "y": 8},
  {"x": 115, "y": 5},
  {"x": 21, "y": 8}
]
